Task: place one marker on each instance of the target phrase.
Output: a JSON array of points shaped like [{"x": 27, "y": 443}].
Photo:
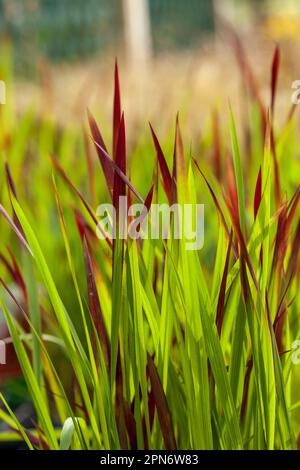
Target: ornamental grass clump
[{"x": 163, "y": 347}]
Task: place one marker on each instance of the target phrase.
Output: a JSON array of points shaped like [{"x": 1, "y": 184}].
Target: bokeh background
[{"x": 170, "y": 51}]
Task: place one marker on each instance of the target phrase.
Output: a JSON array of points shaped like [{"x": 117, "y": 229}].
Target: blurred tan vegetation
[{"x": 192, "y": 83}]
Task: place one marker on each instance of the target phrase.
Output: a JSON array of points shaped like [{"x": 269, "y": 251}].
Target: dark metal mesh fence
[
  {"x": 60, "y": 29},
  {"x": 74, "y": 29},
  {"x": 179, "y": 24}
]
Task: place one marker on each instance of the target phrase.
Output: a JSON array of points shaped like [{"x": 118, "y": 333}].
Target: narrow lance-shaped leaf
[
  {"x": 118, "y": 248},
  {"x": 231, "y": 186},
  {"x": 285, "y": 219},
  {"x": 120, "y": 159},
  {"x": 15, "y": 228},
  {"x": 12, "y": 191},
  {"x": 90, "y": 167},
  {"x": 285, "y": 423},
  {"x": 257, "y": 195},
  {"x": 116, "y": 113},
  {"x": 15, "y": 273},
  {"x": 178, "y": 172},
  {"x": 216, "y": 145},
  {"x": 221, "y": 299},
  {"x": 94, "y": 304},
  {"x": 100, "y": 147},
  {"x": 78, "y": 194},
  {"x": 84, "y": 228},
  {"x": 162, "y": 407},
  {"x": 293, "y": 261},
  {"x": 276, "y": 169},
  {"x": 274, "y": 78},
  {"x": 116, "y": 169},
  {"x": 238, "y": 171},
  {"x": 165, "y": 172},
  {"x": 246, "y": 389},
  {"x": 147, "y": 206},
  {"x": 31, "y": 287},
  {"x": 218, "y": 206},
  {"x": 241, "y": 240}
]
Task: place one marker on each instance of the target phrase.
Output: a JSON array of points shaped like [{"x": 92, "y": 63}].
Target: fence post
[{"x": 137, "y": 30}]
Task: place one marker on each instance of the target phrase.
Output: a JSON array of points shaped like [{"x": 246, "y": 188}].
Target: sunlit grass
[{"x": 143, "y": 344}]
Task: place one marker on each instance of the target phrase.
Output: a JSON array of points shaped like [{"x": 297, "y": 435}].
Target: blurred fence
[
  {"x": 179, "y": 23},
  {"x": 59, "y": 29},
  {"x": 73, "y": 29}
]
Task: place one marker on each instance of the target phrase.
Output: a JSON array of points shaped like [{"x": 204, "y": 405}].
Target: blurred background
[{"x": 63, "y": 52}]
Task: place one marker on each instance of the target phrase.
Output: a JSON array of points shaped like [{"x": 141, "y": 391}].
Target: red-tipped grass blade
[
  {"x": 62, "y": 172},
  {"x": 178, "y": 154},
  {"x": 217, "y": 163},
  {"x": 257, "y": 195},
  {"x": 292, "y": 207},
  {"x": 246, "y": 390},
  {"x": 8, "y": 267},
  {"x": 84, "y": 228},
  {"x": 285, "y": 220},
  {"x": 15, "y": 273},
  {"x": 130, "y": 425},
  {"x": 149, "y": 197},
  {"x": 12, "y": 191},
  {"x": 276, "y": 169},
  {"x": 15, "y": 229},
  {"x": 120, "y": 159},
  {"x": 293, "y": 261},
  {"x": 10, "y": 182},
  {"x": 100, "y": 148},
  {"x": 163, "y": 412},
  {"x": 167, "y": 180},
  {"x": 116, "y": 112},
  {"x": 148, "y": 202},
  {"x": 218, "y": 207},
  {"x": 242, "y": 244},
  {"x": 221, "y": 299},
  {"x": 117, "y": 170},
  {"x": 94, "y": 305},
  {"x": 232, "y": 188},
  {"x": 274, "y": 78},
  {"x": 90, "y": 167}
]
